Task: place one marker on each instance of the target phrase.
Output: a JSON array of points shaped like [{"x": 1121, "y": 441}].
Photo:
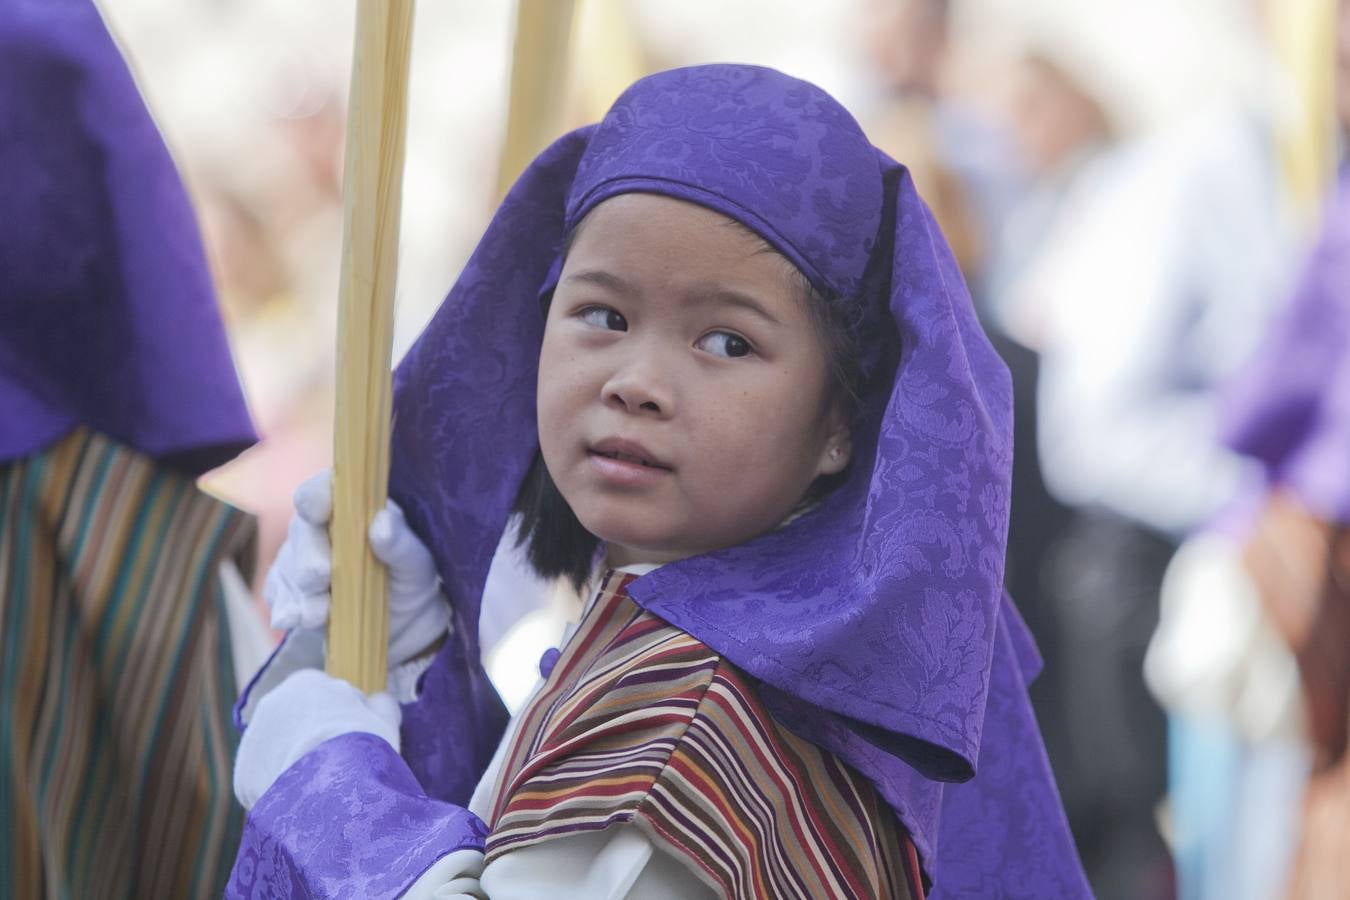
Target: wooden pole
[
  {"x": 538, "y": 84},
  {"x": 609, "y": 55},
  {"x": 358, "y": 626},
  {"x": 1303, "y": 33}
]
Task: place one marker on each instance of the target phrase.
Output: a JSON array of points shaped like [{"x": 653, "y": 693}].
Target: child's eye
[
  {"x": 724, "y": 343},
  {"x": 603, "y": 317}
]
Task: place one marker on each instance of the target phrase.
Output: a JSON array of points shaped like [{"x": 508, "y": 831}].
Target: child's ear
[{"x": 838, "y": 449}]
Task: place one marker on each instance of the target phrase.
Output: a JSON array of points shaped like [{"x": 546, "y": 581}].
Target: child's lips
[
  {"x": 627, "y": 451},
  {"x": 626, "y": 463},
  {"x": 625, "y": 473}
]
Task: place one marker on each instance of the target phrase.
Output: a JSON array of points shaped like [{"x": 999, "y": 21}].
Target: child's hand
[
  {"x": 297, "y": 586},
  {"x": 305, "y": 710}
]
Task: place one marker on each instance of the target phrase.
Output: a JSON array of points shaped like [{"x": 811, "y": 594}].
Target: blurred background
[{"x": 1131, "y": 188}]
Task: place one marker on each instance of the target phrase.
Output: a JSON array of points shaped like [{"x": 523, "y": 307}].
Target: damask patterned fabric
[
  {"x": 640, "y": 723},
  {"x": 347, "y": 820},
  {"x": 875, "y": 624},
  {"x": 109, "y": 317}
]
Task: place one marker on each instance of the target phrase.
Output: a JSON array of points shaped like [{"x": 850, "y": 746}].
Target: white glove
[
  {"x": 297, "y": 586},
  {"x": 305, "y": 710}
]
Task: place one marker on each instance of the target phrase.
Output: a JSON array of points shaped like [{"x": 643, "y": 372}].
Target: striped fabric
[
  {"x": 641, "y": 723},
  {"x": 115, "y": 677}
]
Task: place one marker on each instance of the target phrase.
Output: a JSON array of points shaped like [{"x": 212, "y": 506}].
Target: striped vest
[
  {"x": 116, "y": 745},
  {"x": 641, "y": 723}
]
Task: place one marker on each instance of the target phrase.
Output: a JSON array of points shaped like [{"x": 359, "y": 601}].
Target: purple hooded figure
[
  {"x": 1290, "y": 411},
  {"x": 116, "y": 391},
  {"x": 739, "y": 702}
]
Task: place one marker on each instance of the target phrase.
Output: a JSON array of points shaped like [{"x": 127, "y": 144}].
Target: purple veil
[
  {"x": 876, "y": 625},
  {"x": 108, "y": 317}
]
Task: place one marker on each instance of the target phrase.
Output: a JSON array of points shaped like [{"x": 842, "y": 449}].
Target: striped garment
[
  {"x": 115, "y": 677},
  {"x": 641, "y": 723}
]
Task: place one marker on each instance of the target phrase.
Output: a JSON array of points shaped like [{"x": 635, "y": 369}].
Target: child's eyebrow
[
  {"x": 698, "y": 295},
  {"x": 602, "y": 279},
  {"x": 723, "y": 296}
]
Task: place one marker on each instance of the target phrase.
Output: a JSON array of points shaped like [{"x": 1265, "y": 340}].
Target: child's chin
[{"x": 637, "y": 540}]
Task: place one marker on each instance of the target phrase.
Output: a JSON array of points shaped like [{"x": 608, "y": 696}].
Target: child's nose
[{"x": 639, "y": 388}]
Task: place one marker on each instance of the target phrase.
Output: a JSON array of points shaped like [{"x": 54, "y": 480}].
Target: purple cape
[
  {"x": 109, "y": 317},
  {"x": 876, "y": 624},
  {"x": 1290, "y": 409}
]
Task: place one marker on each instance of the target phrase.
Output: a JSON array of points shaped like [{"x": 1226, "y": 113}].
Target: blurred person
[
  {"x": 123, "y": 601},
  {"x": 1059, "y": 126},
  {"x": 1287, "y": 578},
  {"x": 907, "y": 42},
  {"x": 1159, "y": 261},
  {"x": 958, "y": 158},
  {"x": 1218, "y": 662},
  {"x": 1290, "y": 412}
]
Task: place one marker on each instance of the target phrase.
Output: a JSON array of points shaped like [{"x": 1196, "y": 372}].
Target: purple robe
[{"x": 875, "y": 625}]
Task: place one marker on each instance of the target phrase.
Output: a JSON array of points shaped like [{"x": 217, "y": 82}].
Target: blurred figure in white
[{"x": 1141, "y": 271}]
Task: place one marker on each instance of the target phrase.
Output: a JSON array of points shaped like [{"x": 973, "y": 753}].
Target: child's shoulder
[{"x": 679, "y": 731}]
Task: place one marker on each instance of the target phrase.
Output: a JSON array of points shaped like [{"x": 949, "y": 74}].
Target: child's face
[{"x": 675, "y": 338}]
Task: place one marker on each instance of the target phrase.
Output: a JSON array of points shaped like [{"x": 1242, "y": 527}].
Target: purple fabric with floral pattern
[
  {"x": 347, "y": 820},
  {"x": 109, "y": 316},
  {"x": 1291, "y": 408},
  {"x": 876, "y": 623},
  {"x": 779, "y": 156}
]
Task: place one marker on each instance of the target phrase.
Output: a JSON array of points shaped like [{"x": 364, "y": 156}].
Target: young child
[{"x": 715, "y": 353}]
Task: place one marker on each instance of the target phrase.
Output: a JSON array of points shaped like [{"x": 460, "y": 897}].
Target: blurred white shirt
[{"x": 1159, "y": 276}]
